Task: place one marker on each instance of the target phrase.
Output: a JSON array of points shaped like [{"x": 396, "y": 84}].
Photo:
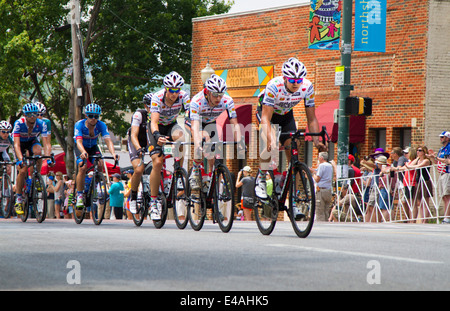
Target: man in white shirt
[{"x": 323, "y": 178}]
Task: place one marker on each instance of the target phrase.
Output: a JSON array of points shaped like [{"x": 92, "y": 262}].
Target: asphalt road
[{"x": 60, "y": 255}]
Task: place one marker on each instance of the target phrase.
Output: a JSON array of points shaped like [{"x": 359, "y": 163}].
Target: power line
[{"x": 153, "y": 39}]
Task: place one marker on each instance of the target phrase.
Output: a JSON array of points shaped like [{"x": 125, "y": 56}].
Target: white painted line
[{"x": 372, "y": 256}]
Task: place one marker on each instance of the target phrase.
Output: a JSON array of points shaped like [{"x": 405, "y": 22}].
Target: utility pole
[
  {"x": 76, "y": 91},
  {"x": 346, "y": 57}
]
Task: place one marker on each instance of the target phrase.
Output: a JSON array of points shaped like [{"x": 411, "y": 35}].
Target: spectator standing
[
  {"x": 443, "y": 161},
  {"x": 50, "y": 197},
  {"x": 68, "y": 199},
  {"x": 59, "y": 194},
  {"x": 323, "y": 178},
  {"x": 116, "y": 196},
  {"x": 248, "y": 191},
  {"x": 424, "y": 186}
]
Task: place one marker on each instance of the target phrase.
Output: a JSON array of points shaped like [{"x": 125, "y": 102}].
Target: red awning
[
  {"x": 325, "y": 116},
  {"x": 244, "y": 116},
  {"x": 60, "y": 166}
]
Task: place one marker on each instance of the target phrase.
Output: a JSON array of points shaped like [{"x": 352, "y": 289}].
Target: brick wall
[{"x": 396, "y": 80}]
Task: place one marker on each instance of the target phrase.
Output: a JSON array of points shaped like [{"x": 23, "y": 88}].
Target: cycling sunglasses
[
  {"x": 31, "y": 114},
  {"x": 217, "y": 94},
  {"x": 93, "y": 116},
  {"x": 5, "y": 132},
  {"x": 298, "y": 81},
  {"x": 172, "y": 90}
]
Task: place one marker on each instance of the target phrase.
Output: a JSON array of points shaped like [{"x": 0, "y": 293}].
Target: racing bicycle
[
  {"x": 300, "y": 186},
  {"x": 7, "y": 192}
]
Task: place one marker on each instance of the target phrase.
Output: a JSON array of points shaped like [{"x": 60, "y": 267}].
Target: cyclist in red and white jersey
[
  {"x": 276, "y": 105},
  {"x": 165, "y": 108},
  {"x": 205, "y": 108}
]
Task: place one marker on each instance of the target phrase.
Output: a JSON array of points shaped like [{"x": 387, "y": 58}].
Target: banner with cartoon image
[{"x": 324, "y": 24}]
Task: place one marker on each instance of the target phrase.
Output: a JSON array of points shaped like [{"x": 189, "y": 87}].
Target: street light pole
[{"x": 346, "y": 56}]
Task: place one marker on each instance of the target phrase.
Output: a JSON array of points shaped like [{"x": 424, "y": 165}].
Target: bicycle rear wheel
[
  {"x": 265, "y": 210},
  {"x": 39, "y": 198},
  {"x": 7, "y": 200},
  {"x": 302, "y": 200},
  {"x": 224, "y": 199},
  {"x": 97, "y": 198},
  {"x": 180, "y": 201},
  {"x": 197, "y": 207}
]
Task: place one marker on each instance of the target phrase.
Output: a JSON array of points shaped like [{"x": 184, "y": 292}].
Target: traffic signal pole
[{"x": 346, "y": 57}]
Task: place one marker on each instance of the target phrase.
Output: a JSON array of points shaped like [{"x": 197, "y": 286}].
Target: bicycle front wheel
[
  {"x": 97, "y": 198},
  {"x": 39, "y": 198},
  {"x": 302, "y": 200},
  {"x": 224, "y": 199},
  {"x": 179, "y": 198},
  {"x": 7, "y": 194},
  {"x": 142, "y": 203},
  {"x": 197, "y": 207},
  {"x": 265, "y": 209}
]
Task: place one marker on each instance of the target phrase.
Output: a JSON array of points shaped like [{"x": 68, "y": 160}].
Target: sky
[{"x": 250, "y": 5}]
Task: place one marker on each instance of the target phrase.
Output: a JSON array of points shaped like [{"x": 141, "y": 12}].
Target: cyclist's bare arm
[
  {"x": 134, "y": 137},
  {"x": 17, "y": 149},
  {"x": 80, "y": 147},
  {"x": 313, "y": 127},
  {"x": 266, "y": 116},
  {"x": 110, "y": 145},
  {"x": 155, "y": 127}
]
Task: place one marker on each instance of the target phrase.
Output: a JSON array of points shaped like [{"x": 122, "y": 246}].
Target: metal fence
[{"x": 404, "y": 196}]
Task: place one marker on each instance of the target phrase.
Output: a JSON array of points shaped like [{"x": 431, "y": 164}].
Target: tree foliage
[{"x": 128, "y": 46}]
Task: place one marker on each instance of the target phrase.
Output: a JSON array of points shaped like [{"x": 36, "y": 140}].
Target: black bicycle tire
[
  {"x": 273, "y": 202},
  {"x": 7, "y": 213},
  {"x": 160, "y": 223},
  {"x": 196, "y": 226},
  {"x": 78, "y": 220},
  {"x": 25, "y": 202},
  {"x": 99, "y": 218},
  {"x": 143, "y": 209},
  {"x": 302, "y": 233},
  {"x": 180, "y": 224},
  {"x": 222, "y": 169},
  {"x": 34, "y": 192}
]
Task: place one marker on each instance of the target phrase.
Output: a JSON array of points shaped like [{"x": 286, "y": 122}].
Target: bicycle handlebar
[
  {"x": 299, "y": 133},
  {"x": 100, "y": 156}
]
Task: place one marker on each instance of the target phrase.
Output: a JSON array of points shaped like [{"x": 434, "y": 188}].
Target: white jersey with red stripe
[
  {"x": 277, "y": 96},
  {"x": 168, "y": 115},
  {"x": 200, "y": 109}
]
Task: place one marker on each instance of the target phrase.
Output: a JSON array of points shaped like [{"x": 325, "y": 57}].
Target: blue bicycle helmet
[
  {"x": 92, "y": 109},
  {"x": 30, "y": 107}
]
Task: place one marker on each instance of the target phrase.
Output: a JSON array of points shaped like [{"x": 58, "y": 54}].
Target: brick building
[{"x": 407, "y": 83}]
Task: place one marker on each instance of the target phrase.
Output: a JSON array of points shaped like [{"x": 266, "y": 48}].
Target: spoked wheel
[
  {"x": 39, "y": 198},
  {"x": 143, "y": 201},
  {"x": 265, "y": 209},
  {"x": 197, "y": 207},
  {"x": 224, "y": 199},
  {"x": 162, "y": 206},
  {"x": 180, "y": 200},
  {"x": 7, "y": 200},
  {"x": 26, "y": 205},
  {"x": 97, "y": 198},
  {"x": 302, "y": 201}
]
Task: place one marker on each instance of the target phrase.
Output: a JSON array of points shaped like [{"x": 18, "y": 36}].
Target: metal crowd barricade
[{"x": 423, "y": 203}]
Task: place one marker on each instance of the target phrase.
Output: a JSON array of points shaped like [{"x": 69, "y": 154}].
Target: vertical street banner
[
  {"x": 324, "y": 24},
  {"x": 370, "y": 25}
]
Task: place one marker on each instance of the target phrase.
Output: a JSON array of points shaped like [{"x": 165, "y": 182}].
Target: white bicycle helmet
[
  {"x": 294, "y": 69},
  {"x": 148, "y": 99},
  {"x": 216, "y": 84},
  {"x": 41, "y": 107},
  {"x": 174, "y": 80},
  {"x": 5, "y": 126}
]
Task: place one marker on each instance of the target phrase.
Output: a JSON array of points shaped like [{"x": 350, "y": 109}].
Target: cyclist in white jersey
[
  {"x": 6, "y": 141},
  {"x": 205, "y": 108},
  {"x": 165, "y": 108},
  {"x": 277, "y": 101}
]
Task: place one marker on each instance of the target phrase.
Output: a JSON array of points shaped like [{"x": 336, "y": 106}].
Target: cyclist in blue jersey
[
  {"x": 6, "y": 141},
  {"x": 86, "y": 135},
  {"x": 26, "y": 134}
]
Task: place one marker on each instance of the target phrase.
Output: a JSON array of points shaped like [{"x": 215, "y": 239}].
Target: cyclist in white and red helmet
[
  {"x": 6, "y": 141},
  {"x": 165, "y": 107},
  {"x": 276, "y": 105},
  {"x": 205, "y": 108}
]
